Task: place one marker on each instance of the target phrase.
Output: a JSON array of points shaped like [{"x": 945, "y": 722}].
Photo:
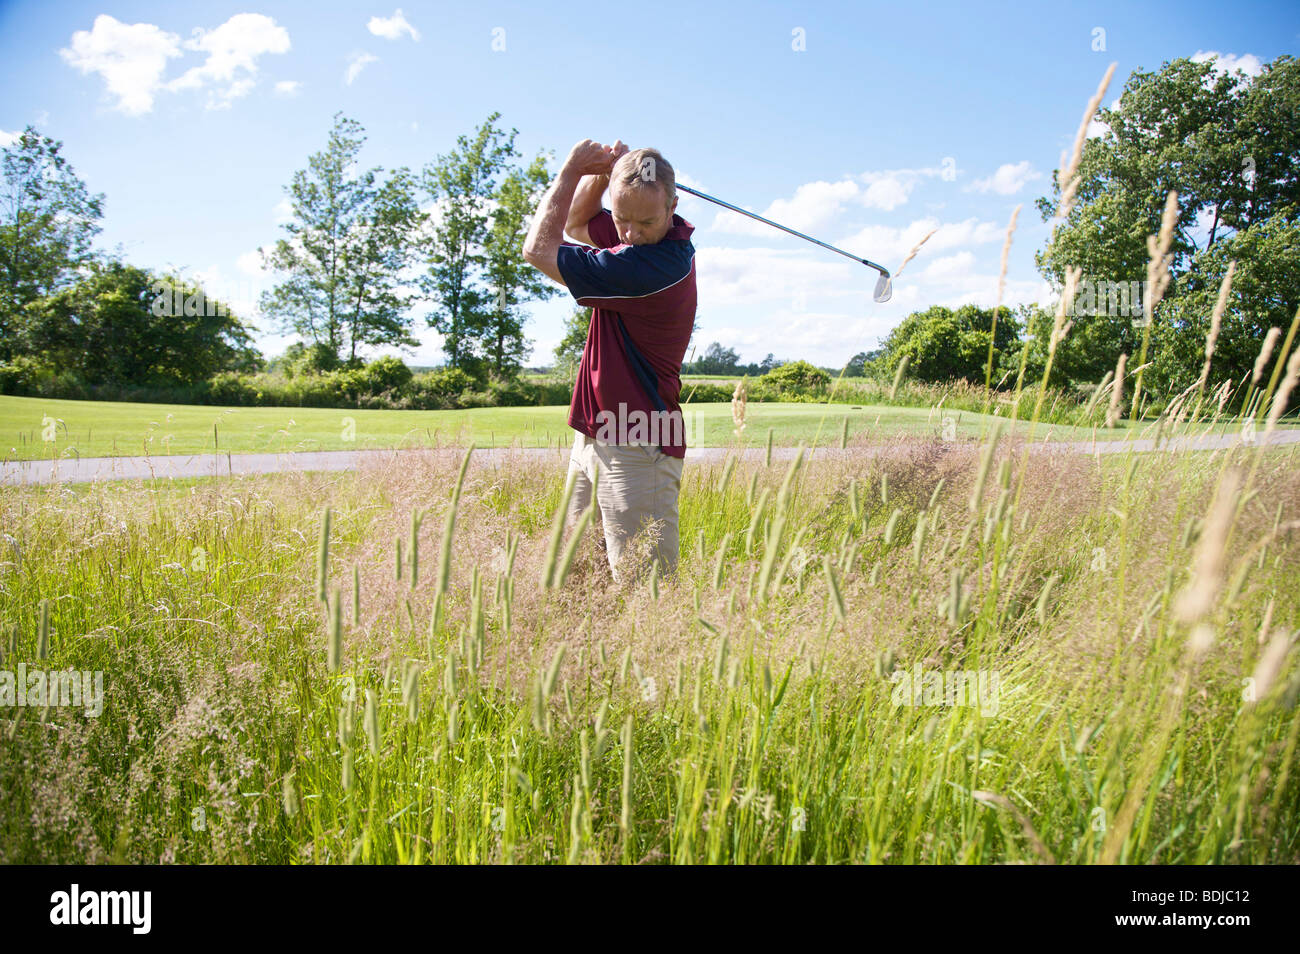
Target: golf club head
[{"x": 884, "y": 288}]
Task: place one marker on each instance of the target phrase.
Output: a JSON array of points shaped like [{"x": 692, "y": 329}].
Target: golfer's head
[{"x": 642, "y": 196}]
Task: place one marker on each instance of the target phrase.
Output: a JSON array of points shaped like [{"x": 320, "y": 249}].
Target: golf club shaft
[{"x": 778, "y": 225}]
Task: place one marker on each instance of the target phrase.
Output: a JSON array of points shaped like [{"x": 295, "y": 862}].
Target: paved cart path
[{"x": 89, "y": 469}]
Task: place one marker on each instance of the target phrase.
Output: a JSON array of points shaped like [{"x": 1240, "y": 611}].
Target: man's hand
[
  {"x": 588, "y": 199},
  {"x": 586, "y": 158},
  {"x": 590, "y": 158}
]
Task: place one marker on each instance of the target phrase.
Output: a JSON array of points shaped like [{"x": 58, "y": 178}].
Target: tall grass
[{"x": 758, "y": 717}]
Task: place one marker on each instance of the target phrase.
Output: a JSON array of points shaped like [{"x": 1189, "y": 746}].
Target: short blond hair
[{"x": 641, "y": 167}]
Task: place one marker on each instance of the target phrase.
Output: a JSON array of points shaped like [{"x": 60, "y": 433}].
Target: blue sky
[{"x": 864, "y": 124}]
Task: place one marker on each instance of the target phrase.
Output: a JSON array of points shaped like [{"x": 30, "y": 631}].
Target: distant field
[{"x": 117, "y": 429}]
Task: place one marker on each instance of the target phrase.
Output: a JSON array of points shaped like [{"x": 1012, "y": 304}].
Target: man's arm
[
  {"x": 547, "y": 229},
  {"x": 588, "y": 200}
]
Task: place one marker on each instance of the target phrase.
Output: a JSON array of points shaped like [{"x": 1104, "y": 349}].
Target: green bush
[
  {"x": 706, "y": 392},
  {"x": 315, "y": 358},
  {"x": 25, "y": 375},
  {"x": 387, "y": 374},
  {"x": 439, "y": 389},
  {"x": 503, "y": 392},
  {"x": 797, "y": 377},
  {"x": 231, "y": 387}
]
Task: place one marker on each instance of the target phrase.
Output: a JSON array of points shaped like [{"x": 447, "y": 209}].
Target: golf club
[{"x": 883, "y": 287}]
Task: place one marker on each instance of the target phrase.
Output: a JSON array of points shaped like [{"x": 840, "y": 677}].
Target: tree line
[
  {"x": 366, "y": 255},
  {"x": 369, "y": 254},
  {"x": 1229, "y": 146},
  {"x": 362, "y": 255}
]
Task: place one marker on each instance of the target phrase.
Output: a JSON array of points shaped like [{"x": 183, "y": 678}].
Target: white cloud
[
  {"x": 131, "y": 58},
  {"x": 392, "y": 28},
  {"x": 981, "y": 290},
  {"x": 731, "y": 276},
  {"x": 240, "y": 295},
  {"x": 887, "y": 193},
  {"x": 232, "y": 48},
  {"x": 956, "y": 280},
  {"x": 282, "y": 212},
  {"x": 951, "y": 267},
  {"x": 8, "y": 138},
  {"x": 1248, "y": 63},
  {"x": 250, "y": 263},
  {"x": 819, "y": 336},
  {"x": 1009, "y": 179},
  {"x": 815, "y": 204},
  {"x": 356, "y": 63},
  {"x": 886, "y": 244},
  {"x": 889, "y": 188},
  {"x": 288, "y": 87}
]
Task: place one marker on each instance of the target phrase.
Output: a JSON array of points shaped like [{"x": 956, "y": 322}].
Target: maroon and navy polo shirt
[{"x": 643, "y": 312}]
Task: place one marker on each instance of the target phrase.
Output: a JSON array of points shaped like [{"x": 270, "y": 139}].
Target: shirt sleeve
[
  {"x": 602, "y": 231},
  {"x": 618, "y": 277}
]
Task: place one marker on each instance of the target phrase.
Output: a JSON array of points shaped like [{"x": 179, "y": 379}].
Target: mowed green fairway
[{"x": 118, "y": 429}]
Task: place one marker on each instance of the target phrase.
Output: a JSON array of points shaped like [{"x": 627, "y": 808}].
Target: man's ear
[{"x": 676, "y": 199}]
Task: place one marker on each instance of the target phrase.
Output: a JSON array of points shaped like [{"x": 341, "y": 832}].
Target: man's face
[{"x": 640, "y": 214}]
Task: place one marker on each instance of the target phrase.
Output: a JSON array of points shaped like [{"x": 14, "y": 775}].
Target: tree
[
  {"x": 127, "y": 326},
  {"x": 1263, "y": 295},
  {"x": 857, "y": 366},
  {"x": 381, "y": 247},
  {"x": 513, "y": 281},
  {"x": 48, "y": 220},
  {"x": 942, "y": 344},
  {"x": 463, "y": 183},
  {"x": 348, "y": 243},
  {"x": 716, "y": 360},
  {"x": 568, "y": 353},
  {"x": 1229, "y": 145}
]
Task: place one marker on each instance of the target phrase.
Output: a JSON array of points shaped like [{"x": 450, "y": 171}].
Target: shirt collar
[{"x": 680, "y": 230}]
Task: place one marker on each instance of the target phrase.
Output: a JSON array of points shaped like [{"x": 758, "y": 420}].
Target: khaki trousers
[{"x": 636, "y": 491}]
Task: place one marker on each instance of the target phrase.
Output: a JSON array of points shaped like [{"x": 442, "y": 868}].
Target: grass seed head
[
  {"x": 833, "y": 584},
  {"x": 349, "y": 773},
  {"x": 1270, "y": 663},
  {"x": 1283, "y": 394},
  {"x": 290, "y": 795},
  {"x": 898, "y": 377},
  {"x": 891, "y": 526},
  {"x": 334, "y": 653},
  {"x": 43, "y": 631},
  {"x": 1116, "y": 393},
  {"x": 1265, "y": 352},
  {"x": 323, "y": 556},
  {"x": 1197, "y": 598},
  {"x": 1216, "y": 321},
  {"x": 1044, "y": 599},
  {"x": 371, "y": 721}
]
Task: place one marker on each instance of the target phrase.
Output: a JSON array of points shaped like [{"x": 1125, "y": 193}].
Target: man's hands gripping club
[{"x": 571, "y": 201}]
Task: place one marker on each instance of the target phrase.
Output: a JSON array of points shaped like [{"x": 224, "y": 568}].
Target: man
[{"x": 635, "y": 267}]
